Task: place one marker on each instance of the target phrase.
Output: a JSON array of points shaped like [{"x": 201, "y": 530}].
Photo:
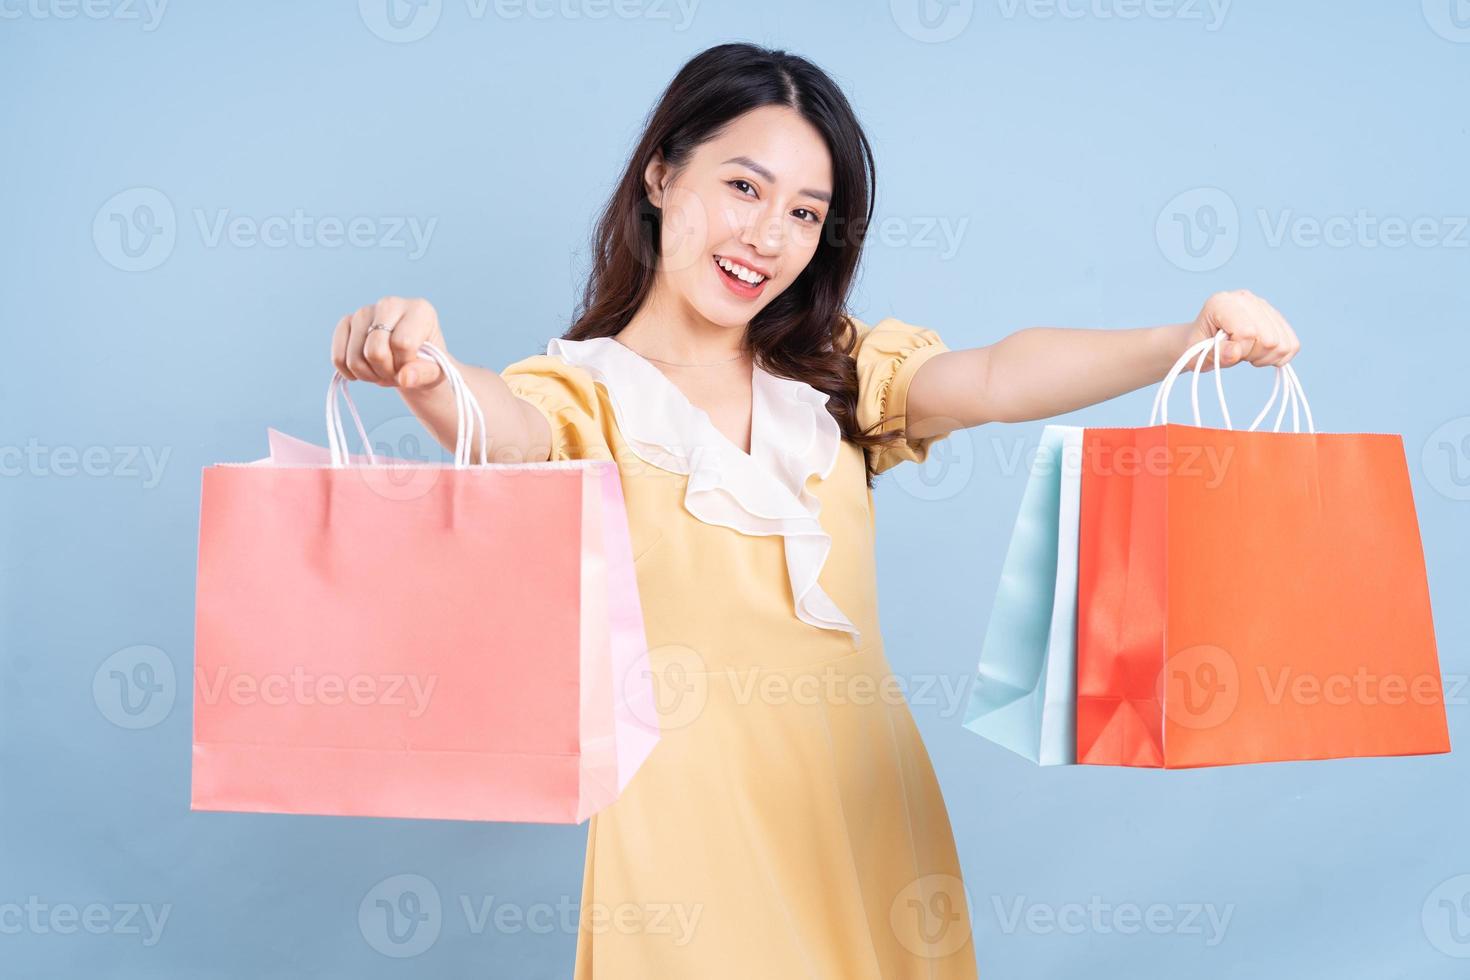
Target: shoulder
[
  {"x": 546, "y": 367},
  {"x": 889, "y": 354},
  {"x": 566, "y": 394},
  {"x": 552, "y": 373},
  {"x": 888, "y": 337}
]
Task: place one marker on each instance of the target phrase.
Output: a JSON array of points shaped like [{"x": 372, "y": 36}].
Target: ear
[{"x": 655, "y": 178}]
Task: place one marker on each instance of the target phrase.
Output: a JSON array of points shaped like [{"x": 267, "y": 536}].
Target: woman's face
[{"x": 753, "y": 201}]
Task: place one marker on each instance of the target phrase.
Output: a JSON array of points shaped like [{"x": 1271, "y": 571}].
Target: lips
[
  {"x": 759, "y": 270},
  {"x": 738, "y": 287}
]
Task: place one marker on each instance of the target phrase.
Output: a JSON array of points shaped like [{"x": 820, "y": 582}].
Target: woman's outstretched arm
[
  {"x": 1041, "y": 372},
  {"x": 388, "y": 356}
]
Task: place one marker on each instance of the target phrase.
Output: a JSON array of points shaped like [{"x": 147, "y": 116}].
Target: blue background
[{"x": 1053, "y": 141}]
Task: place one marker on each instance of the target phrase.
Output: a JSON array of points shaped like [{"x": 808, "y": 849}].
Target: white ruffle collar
[{"x": 793, "y": 437}]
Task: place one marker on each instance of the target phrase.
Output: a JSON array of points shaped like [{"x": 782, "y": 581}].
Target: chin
[{"x": 722, "y": 315}]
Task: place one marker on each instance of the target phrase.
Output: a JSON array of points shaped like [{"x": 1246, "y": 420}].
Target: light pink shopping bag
[{"x": 378, "y": 637}]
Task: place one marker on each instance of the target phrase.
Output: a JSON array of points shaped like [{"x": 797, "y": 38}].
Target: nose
[{"x": 764, "y": 232}]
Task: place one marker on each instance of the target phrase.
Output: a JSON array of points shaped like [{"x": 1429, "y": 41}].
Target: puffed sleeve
[
  {"x": 889, "y": 354},
  {"x": 567, "y": 396}
]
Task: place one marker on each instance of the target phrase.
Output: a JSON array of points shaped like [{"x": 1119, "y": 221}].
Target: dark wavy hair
[{"x": 804, "y": 333}]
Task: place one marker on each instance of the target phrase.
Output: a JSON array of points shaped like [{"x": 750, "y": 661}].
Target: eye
[{"x": 738, "y": 183}]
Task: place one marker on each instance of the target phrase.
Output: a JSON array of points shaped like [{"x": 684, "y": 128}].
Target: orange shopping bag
[
  {"x": 385, "y": 638},
  {"x": 1250, "y": 596}
]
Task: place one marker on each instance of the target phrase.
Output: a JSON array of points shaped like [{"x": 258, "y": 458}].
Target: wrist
[{"x": 1171, "y": 342}]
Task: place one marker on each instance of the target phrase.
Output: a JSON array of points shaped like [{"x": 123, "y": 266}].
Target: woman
[{"x": 789, "y": 823}]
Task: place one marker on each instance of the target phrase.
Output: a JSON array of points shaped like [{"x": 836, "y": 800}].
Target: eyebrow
[{"x": 766, "y": 174}]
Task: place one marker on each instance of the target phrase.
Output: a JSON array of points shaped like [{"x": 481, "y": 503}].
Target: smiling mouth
[{"x": 739, "y": 273}]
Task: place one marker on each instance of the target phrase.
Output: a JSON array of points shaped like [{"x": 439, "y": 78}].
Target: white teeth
[{"x": 740, "y": 271}]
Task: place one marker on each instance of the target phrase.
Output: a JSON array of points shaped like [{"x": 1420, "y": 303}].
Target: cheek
[
  {"x": 728, "y": 220},
  {"x": 801, "y": 248},
  {"x": 684, "y": 230},
  {"x": 808, "y": 235}
]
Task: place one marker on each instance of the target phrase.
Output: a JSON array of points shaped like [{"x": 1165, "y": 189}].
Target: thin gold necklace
[{"x": 680, "y": 363}]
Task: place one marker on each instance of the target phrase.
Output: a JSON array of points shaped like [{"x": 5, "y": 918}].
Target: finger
[
  {"x": 375, "y": 346},
  {"x": 418, "y": 326},
  {"x": 1265, "y": 337},
  {"x": 1287, "y": 345},
  {"x": 356, "y": 360},
  {"x": 1239, "y": 343},
  {"x": 1236, "y": 321},
  {"x": 422, "y": 373},
  {"x": 1268, "y": 333},
  {"x": 1227, "y": 348},
  {"x": 340, "y": 333}
]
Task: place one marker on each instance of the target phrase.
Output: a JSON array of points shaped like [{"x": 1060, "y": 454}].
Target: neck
[{"x": 667, "y": 328}]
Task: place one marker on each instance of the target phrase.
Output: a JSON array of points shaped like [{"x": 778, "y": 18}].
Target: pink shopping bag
[{"x": 378, "y": 637}]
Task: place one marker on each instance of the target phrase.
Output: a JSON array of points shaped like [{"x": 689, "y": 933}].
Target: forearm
[
  {"x": 509, "y": 431},
  {"x": 1041, "y": 372}
]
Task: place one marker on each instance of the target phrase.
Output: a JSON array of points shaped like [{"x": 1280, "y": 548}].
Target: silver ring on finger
[{"x": 380, "y": 326}]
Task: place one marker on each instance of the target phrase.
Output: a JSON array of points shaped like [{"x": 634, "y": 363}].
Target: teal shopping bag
[{"x": 1025, "y": 694}]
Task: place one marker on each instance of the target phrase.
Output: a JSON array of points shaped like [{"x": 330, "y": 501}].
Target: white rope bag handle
[
  {"x": 1295, "y": 396},
  {"x": 467, "y": 411}
]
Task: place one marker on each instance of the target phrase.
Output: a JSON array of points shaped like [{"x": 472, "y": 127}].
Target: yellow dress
[{"x": 788, "y": 824}]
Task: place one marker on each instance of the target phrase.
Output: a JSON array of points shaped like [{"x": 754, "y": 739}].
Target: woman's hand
[
  {"x": 1255, "y": 331},
  {"x": 389, "y": 355},
  {"x": 514, "y": 430}
]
